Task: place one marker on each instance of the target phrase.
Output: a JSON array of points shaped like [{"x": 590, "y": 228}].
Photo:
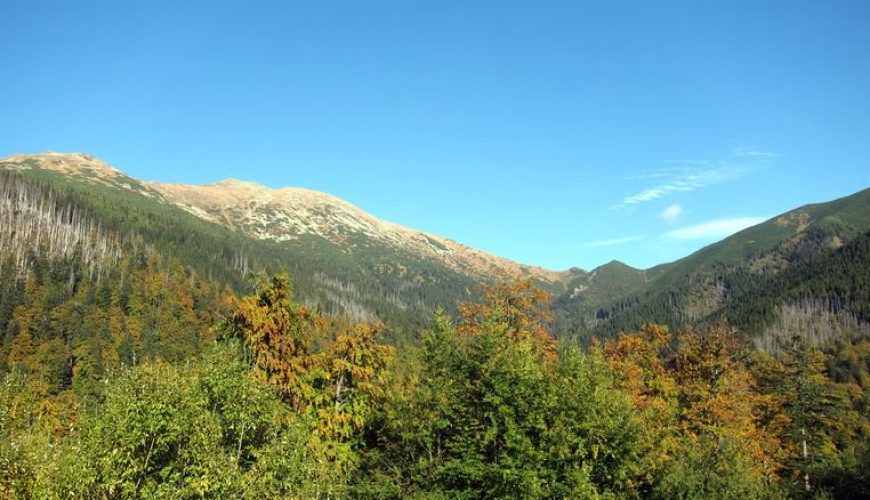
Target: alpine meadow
[{"x": 642, "y": 268}]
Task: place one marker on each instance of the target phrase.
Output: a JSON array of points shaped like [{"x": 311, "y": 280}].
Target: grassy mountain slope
[{"x": 725, "y": 276}]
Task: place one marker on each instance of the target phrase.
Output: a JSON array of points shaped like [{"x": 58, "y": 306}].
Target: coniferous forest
[{"x": 161, "y": 386}]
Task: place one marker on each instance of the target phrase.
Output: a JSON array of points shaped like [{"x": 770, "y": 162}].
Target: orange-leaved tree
[
  {"x": 521, "y": 307},
  {"x": 719, "y": 394},
  {"x": 338, "y": 385},
  {"x": 280, "y": 333},
  {"x": 641, "y": 368}
]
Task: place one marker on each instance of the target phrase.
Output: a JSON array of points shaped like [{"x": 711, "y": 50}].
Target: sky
[{"x": 557, "y": 134}]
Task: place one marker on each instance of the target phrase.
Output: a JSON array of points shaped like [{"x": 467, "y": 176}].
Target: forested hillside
[
  {"x": 80, "y": 296},
  {"x": 809, "y": 257},
  {"x": 287, "y": 403},
  {"x": 347, "y": 263},
  {"x": 343, "y": 261}
]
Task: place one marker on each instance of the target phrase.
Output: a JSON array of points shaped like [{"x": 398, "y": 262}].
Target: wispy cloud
[
  {"x": 684, "y": 176},
  {"x": 610, "y": 242},
  {"x": 697, "y": 163},
  {"x": 714, "y": 229},
  {"x": 682, "y": 181},
  {"x": 672, "y": 213},
  {"x": 752, "y": 153}
]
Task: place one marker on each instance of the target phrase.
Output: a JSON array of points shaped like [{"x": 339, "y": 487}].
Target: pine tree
[{"x": 819, "y": 408}]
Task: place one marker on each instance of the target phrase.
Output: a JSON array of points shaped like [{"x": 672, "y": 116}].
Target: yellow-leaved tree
[{"x": 280, "y": 335}]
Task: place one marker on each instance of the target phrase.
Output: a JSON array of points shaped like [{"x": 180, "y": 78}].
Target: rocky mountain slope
[
  {"x": 285, "y": 215},
  {"x": 342, "y": 259}
]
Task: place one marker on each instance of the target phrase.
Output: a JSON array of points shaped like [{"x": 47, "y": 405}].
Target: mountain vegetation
[
  {"x": 813, "y": 255},
  {"x": 360, "y": 279},
  {"x": 284, "y": 402},
  {"x": 152, "y": 345}
]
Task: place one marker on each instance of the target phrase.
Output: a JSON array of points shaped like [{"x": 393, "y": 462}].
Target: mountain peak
[
  {"x": 72, "y": 163},
  {"x": 231, "y": 182},
  {"x": 618, "y": 264}
]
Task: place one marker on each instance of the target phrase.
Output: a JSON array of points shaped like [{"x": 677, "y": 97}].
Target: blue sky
[{"x": 553, "y": 133}]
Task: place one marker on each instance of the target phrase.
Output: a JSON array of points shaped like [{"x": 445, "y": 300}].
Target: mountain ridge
[
  {"x": 349, "y": 272},
  {"x": 348, "y": 262},
  {"x": 282, "y": 214},
  {"x": 701, "y": 285}
]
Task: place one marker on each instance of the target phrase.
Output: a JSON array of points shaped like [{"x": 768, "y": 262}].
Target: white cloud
[
  {"x": 687, "y": 162},
  {"x": 672, "y": 213},
  {"x": 752, "y": 153},
  {"x": 690, "y": 175},
  {"x": 682, "y": 180},
  {"x": 715, "y": 229},
  {"x": 611, "y": 242}
]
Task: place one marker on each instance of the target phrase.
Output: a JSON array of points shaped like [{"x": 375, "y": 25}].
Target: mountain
[
  {"x": 349, "y": 263},
  {"x": 587, "y": 295},
  {"x": 343, "y": 260},
  {"x": 781, "y": 260},
  {"x": 293, "y": 214}
]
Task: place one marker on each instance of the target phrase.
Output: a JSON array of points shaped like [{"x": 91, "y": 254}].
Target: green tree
[
  {"x": 190, "y": 431},
  {"x": 822, "y": 421},
  {"x": 496, "y": 412},
  {"x": 712, "y": 468}
]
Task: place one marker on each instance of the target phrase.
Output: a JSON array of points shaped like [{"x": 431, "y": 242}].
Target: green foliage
[
  {"x": 70, "y": 337},
  {"x": 824, "y": 425},
  {"x": 292, "y": 404},
  {"x": 151, "y": 438},
  {"x": 817, "y": 253},
  {"x": 711, "y": 468},
  {"x": 493, "y": 414},
  {"x": 190, "y": 431},
  {"x": 21, "y": 436},
  {"x": 838, "y": 278}
]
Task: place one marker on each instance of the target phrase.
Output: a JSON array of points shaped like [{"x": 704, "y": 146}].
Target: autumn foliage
[
  {"x": 338, "y": 385},
  {"x": 521, "y": 307},
  {"x": 280, "y": 334},
  {"x": 288, "y": 403}
]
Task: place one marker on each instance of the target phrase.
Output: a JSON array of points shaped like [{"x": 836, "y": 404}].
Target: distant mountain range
[
  {"x": 348, "y": 262},
  {"x": 812, "y": 259}
]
